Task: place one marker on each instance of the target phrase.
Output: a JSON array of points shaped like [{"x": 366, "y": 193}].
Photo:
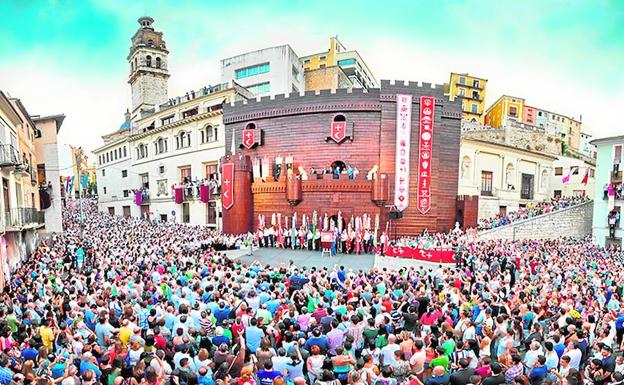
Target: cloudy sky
[{"x": 62, "y": 56}]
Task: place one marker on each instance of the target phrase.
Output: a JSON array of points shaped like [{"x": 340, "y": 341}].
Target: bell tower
[{"x": 148, "y": 68}]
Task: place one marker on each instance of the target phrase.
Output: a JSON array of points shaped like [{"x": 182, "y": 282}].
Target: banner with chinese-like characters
[
  {"x": 437, "y": 256},
  {"x": 227, "y": 185},
  {"x": 427, "y": 108},
  {"x": 402, "y": 157}
]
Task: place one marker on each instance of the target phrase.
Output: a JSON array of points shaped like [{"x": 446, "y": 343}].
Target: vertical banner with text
[
  {"x": 227, "y": 188},
  {"x": 425, "y": 148},
  {"x": 402, "y": 157}
]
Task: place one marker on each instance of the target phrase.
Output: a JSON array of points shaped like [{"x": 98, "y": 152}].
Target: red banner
[
  {"x": 338, "y": 131},
  {"x": 425, "y": 148},
  {"x": 249, "y": 138},
  {"x": 437, "y": 256},
  {"x": 227, "y": 187},
  {"x": 402, "y": 156},
  {"x": 204, "y": 193}
]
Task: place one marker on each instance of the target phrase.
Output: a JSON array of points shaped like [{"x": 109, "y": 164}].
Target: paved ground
[{"x": 275, "y": 257}]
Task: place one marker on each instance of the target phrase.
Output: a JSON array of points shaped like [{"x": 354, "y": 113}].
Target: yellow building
[
  {"x": 504, "y": 109},
  {"x": 472, "y": 89},
  {"x": 350, "y": 62}
]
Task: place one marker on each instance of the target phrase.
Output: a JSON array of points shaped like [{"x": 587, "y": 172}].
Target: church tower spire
[{"x": 148, "y": 68}]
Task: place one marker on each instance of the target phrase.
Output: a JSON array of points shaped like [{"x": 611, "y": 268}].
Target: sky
[{"x": 64, "y": 56}]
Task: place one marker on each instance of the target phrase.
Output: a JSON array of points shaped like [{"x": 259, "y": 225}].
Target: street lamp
[{"x": 79, "y": 152}]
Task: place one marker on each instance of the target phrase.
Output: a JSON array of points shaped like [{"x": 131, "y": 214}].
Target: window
[
  {"x": 323, "y": 57},
  {"x": 295, "y": 72},
  {"x": 161, "y": 145},
  {"x": 142, "y": 151},
  {"x": 306, "y": 61},
  {"x": 462, "y": 80},
  {"x": 158, "y": 62},
  {"x": 103, "y": 172},
  {"x": 617, "y": 154},
  {"x": 161, "y": 169},
  {"x": 557, "y": 194},
  {"x": 208, "y": 134},
  {"x": 125, "y": 152},
  {"x": 145, "y": 181},
  {"x": 166, "y": 120},
  {"x": 211, "y": 171},
  {"x": 148, "y": 61},
  {"x": 475, "y": 95},
  {"x": 575, "y": 170},
  {"x": 474, "y": 108},
  {"x": 592, "y": 173},
  {"x": 189, "y": 113},
  {"x": 322, "y": 66},
  {"x": 462, "y": 92},
  {"x": 125, "y": 193},
  {"x": 513, "y": 111},
  {"x": 346, "y": 62},
  {"x": 261, "y": 88},
  {"x": 185, "y": 174},
  {"x": 104, "y": 189},
  {"x": 527, "y": 187},
  {"x": 183, "y": 140},
  {"x": 253, "y": 70},
  {"x": 486, "y": 183},
  {"x": 539, "y": 113},
  {"x": 124, "y": 173},
  {"x": 475, "y": 83},
  {"x": 558, "y": 171}
]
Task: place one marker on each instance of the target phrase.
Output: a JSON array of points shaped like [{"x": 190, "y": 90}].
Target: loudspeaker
[{"x": 395, "y": 215}]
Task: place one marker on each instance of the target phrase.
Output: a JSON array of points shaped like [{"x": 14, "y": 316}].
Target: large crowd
[
  {"x": 529, "y": 211},
  {"x": 131, "y": 302}
]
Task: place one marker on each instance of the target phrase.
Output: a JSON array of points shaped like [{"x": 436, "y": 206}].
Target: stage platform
[{"x": 276, "y": 257}]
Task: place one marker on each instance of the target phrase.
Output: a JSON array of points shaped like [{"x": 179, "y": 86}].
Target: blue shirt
[
  {"x": 253, "y": 336},
  {"x": 85, "y": 365},
  {"x": 6, "y": 375},
  {"x": 266, "y": 377}
]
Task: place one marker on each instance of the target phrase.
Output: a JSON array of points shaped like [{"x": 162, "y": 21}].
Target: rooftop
[{"x": 59, "y": 118}]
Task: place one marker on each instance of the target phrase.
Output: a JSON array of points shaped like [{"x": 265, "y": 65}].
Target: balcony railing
[
  {"x": 23, "y": 216},
  {"x": 9, "y": 156}
]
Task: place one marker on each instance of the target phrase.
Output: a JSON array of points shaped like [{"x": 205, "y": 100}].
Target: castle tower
[{"x": 148, "y": 67}]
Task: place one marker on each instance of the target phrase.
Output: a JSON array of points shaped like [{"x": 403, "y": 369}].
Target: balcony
[
  {"x": 469, "y": 85},
  {"x": 20, "y": 217},
  {"x": 9, "y": 157},
  {"x": 616, "y": 177}
]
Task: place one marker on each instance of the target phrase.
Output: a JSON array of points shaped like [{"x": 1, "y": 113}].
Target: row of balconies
[
  {"x": 10, "y": 159},
  {"x": 19, "y": 217}
]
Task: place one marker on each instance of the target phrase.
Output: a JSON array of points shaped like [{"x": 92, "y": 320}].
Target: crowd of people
[
  {"x": 156, "y": 304},
  {"x": 530, "y": 211}
]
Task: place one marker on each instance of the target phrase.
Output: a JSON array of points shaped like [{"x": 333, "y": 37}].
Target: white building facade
[
  {"x": 113, "y": 169},
  {"x": 180, "y": 146},
  {"x": 269, "y": 71},
  {"x": 568, "y": 177},
  {"x": 505, "y": 178}
]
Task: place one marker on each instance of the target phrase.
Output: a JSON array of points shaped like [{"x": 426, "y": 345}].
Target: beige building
[
  {"x": 504, "y": 177},
  {"x": 48, "y": 174},
  {"x": 327, "y": 78},
  {"x": 20, "y": 217}
]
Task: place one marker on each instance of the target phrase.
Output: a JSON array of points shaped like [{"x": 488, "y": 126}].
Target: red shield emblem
[
  {"x": 249, "y": 138},
  {"x": 338, "y": 131}
]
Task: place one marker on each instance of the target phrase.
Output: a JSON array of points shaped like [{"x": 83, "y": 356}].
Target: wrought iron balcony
[
  {"x": 23, "y": 216},
  {"x": 9, "y": 156}
]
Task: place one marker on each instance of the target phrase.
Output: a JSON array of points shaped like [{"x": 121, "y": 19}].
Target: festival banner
[
  {"x": 425, "y": 147},
  {"x": 437, "y": 256},
  {"x": 227, "y": 192},
  {"x": 249, "y": 138},
  {"x": 138, "y": 197},
  {"x": 402, "y": 156},
  {"x": 204, "y": 193},
  {"x": 178, "y": 195}
]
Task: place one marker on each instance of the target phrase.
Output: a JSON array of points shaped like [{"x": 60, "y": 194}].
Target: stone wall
[
  {"x": 575, "y": 221},
  {"x": 521, "y": 138}
]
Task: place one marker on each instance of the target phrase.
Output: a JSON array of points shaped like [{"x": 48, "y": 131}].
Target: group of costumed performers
[{"x": 352, "y": 235}]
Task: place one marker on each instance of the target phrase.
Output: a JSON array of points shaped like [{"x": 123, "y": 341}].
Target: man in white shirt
[
  {"x": 575, "y": 354},
  {"x": 387, "y": 352}
]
